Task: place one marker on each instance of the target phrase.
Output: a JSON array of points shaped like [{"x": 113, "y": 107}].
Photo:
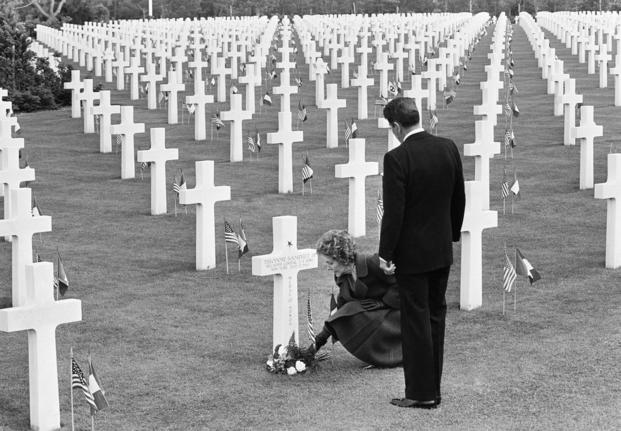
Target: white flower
[
  {"x": 300, "y": 366},
  {"x": 282, "y": 351},
  {"x": 291, "y": 371}
]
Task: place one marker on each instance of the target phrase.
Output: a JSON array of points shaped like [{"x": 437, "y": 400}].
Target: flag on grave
[
  {"x": 217, "y": 121},
  {"x": 516, "y": 111},
  {"x": 273, "y": 74},
  {"x": 267, "y": 99},
  {"x": 309, "y": 319},
  {"x": 298, "y": 81},
  {"x": 78, "y": 382},
  {"x": 95, "y": 389},
  {"x": 508, "y": 274},
  {"x": 508, "y": 109},
  {"x": 212, "y": 82},
  {"x": 251, "y": 145},
  {"x": 347, "y": 132},
  {"x": 243, "y": 242},
  {"x": 380, "y": 208},
  {"x": 307, "y": 171},
  {"x": 449, "y": 96},
  {"x": 234, "y": 89},
  {"x": 515, "y": 187},
  {"x": 392, "y": 88},
  {"x": 399, "y": 87},
  {"x": 509, "y": 138},
  {"x": 258, "y": 141},
  {"x": 229, "y": 234},
  {"x": 181, "y": 185},
  {"x": 523, "y": 267},
  {"x": 504, "y": 186},
  {"x": 61, "y": 282},
  {"x": 433, "y": 119},
  {"x": 513, "y": 88},
  {"x": 191, "y": 107},
  {"x": 457, "y": 78},
  {"x": 302, "y": 113},
  {"x": 36, "y": 211},
  {"x": 354, "y": 129}
]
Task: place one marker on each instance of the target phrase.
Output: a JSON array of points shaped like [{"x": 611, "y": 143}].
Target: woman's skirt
[{"x": 373, "y": 337}]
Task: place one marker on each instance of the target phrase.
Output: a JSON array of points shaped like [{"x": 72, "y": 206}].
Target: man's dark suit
[{"x": 424, "y": 203}]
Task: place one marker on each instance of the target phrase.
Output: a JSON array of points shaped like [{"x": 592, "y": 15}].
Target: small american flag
[
  {"x": 433, "y": 120},
  {"x": 513, "y": 88},
  {"x": 302, "y": 113},
  {"x": 307, "y": 171},
  {"x": 251, "y": 145},
  {"x": 217, "y": 121},
  {"x": 508, "y": 109},
  {"x": 354, "y": 128},
  {"x": 449, "y": 96},
  {"x": 258, "y": 141},
  {"x": 508, "y": 275},
  {"x": 380, "y": 208},
  {"x": 181, "y": 185},
  {"x": 229, "y": 234},
  {"x": 243, "y": 242},
  {"x": 347, "y": 132},
  {"x": 267, "y": 99},
  {"x": 298, "y": 81},
  {"x": 516, "y": 111},
  {"x": 309, "y": 320},
  {"x": 78, "y": 382},
  {"x": 504, "y": 186}
]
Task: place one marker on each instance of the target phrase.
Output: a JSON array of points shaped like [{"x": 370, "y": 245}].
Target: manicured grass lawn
[{"x": 184, "y": 350}]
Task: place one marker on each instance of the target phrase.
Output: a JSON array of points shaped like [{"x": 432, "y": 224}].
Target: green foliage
[{"x": 31, "y": 83}]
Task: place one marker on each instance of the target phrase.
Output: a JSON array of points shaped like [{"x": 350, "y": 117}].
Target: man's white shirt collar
[{"x": 417, "y": 130}]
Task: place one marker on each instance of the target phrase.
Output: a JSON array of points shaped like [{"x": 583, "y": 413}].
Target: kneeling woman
[{"x": 367, "y": 322}]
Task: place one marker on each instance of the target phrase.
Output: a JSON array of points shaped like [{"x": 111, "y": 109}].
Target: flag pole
[
  {"x": 515, "y": 297},
  {"x": 71, "y": 390},
  {"x": 504, "y": 293},
  {"x": 226, "y": 256},
  {"x": 311, "y": 186},
  {"x": 238, "y": 264}
]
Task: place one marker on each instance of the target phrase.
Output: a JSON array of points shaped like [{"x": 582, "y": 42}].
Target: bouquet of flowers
[{"x": 291, "y": 359}]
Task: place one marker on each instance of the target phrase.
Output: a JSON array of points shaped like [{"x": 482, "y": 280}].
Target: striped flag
[
  {"x": 61, "y": 282},
  {"x": 347, "y": 132},
  {"x": 95, "y": 389},
  {"x": 78, "y": 382},
  {"x": 119, "y": 139},
  {"x": 309, "y": 320},
  {"x": 508, "y": 275},
  {"x": 229, "y": 234},
  {"x": 380, "y": 208},
  {"x": 243, "y": 242},
  {"x": 302, "y": 113},
  {"x": 177, "y": 187},
  {"x": 505, "y": 186},
  {"x": 307, "y": 171},
  {"x": 508, "y": 109},
  {"x": 509, "y": 138},
  {"x": 251, "y": 144}
]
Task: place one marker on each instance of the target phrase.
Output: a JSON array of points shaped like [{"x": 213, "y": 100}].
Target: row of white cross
[{"x": 33, "y": 306}]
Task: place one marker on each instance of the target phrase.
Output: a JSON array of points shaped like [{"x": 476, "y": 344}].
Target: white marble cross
[
  {"x": 127, "y": 128},
  {"x": 285, "y": 137},
  {"x": 357, "y": 169},
  {"x": 172, "y": 87},
  {"x": 569, "y": 100},
  {"x": 205, "y": 195},
  {"x": 586, "y": 132},
  {"x": 250, "y": 81},
  {"x": 383, "y": 65},
  {"x": 483, "y": 149},
  {"x": 393, "y": 142},
  {"x": 332, "y": 104},
  {"x": 221, "y": 71},
  {"x": 11, "y": 175},
  {"x": 88, "y": 96},
  {"x": 134, "y": 70},
  {"x": 75, "y": 85},
  {"x": 105, "y": 111},
  {"x": 417, "y": 92},
  {"x": 602, "y": 59},
  {"x": 158, "y": 155},
  {"x": 321, "y": 68},
  {"x": 611, "y": 191},
  {"x": 39, "y": 314},
  {"x": 616, "y": 72},
  {"x": 236, "y": 115},
  {"x": 476, "y": 218},
  {"x": 199, "y": 99},
  {"x": 362, "y": 82},
  {"x": 344, "y": 60},
  {"x": 285, "y": 89},
  {"x": 120, "y": 63},
  {"x": 284, "y": 263},
  {"x": 21, "y": 226},
  {"x": 198, "y": 64},
  {"x": 488, "y": 108},
  {"x": 431, "y": 75},
  {"x": 151, "y": 78}
]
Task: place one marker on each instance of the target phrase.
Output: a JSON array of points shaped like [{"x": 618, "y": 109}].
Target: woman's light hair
[{"x": 339, "y": 245}]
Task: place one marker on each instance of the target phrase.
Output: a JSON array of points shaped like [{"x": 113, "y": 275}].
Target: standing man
[{"x": 424, "y": 203}]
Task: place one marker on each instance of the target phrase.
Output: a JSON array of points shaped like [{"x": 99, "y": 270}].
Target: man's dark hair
[{"x": 403, "y": 111}]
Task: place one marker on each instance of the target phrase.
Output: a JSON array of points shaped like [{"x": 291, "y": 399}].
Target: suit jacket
[{"x": 424, "y": 201}]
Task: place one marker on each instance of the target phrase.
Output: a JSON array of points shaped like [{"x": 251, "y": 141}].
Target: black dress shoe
[
  {"x": 438, "y": 400},
  {"x": 406, "y": 402}
]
